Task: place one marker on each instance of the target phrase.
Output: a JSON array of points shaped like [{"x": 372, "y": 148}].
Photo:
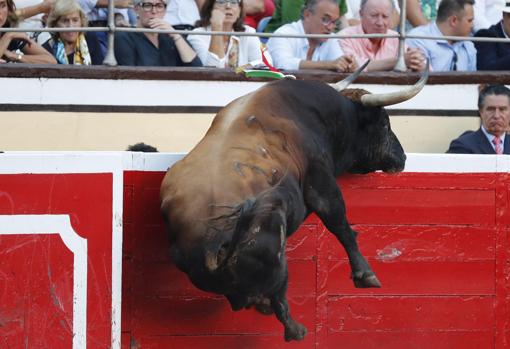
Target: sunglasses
[{"x": 148, "y": 6}]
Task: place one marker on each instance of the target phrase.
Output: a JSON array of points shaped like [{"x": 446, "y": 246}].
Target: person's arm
[
  {"x": 35, "y": 53},
  {"x": 341, "y": 64},
  {"x": 458, "y": 147},
  {"x": 117, "y": 3},
  {"x": 27, "y": 12},
  {"x": 253, "y": 7},
  {"x": 200, "y": 4},
  {"x": 414, "y": 13},
  {"x": 32, "y": 52},
  {"x": 185, "y": 51},
  {"x": 200, "y": 44},
  {"x": 216, "y": 45}
]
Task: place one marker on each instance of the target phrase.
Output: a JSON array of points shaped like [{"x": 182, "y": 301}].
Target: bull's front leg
[
  {"x": 323, "y": 197},
  {"x": 293, "y": 329}
]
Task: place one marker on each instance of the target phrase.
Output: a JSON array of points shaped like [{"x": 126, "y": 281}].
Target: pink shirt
[{"x": 363, "y": 49}]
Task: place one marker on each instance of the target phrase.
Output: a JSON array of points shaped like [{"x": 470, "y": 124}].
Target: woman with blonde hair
[
  {"x": 72, "y": 47},
  {"x": 17, "y": 46}
]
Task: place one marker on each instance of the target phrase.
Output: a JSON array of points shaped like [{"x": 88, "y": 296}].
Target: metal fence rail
[{"x": 112, "y": 29}]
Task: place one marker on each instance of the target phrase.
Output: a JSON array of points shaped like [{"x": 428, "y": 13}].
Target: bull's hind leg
[
  {"x": 293, "y": 329},
  {"x": 323, "y": 197}
]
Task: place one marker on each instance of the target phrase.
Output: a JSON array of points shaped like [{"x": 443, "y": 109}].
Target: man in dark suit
[
  {"x": 491, "y": 137},
  {"x": 494, "y": 55}
]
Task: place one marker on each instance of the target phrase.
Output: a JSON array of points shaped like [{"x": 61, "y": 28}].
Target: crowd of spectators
[{"x": 451, "y": 19}]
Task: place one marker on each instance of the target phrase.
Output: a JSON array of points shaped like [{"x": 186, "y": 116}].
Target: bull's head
[
  {"x": 252, "y": 262},
  {"x": 376, "y": 146}
]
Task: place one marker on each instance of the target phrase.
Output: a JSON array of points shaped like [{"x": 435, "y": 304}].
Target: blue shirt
[{"x": 440, "y": 53}]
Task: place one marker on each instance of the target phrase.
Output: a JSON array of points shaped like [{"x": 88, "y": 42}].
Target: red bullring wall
[{"x": 437, "y": 235}]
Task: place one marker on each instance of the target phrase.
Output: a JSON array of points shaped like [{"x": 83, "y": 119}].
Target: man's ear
[
  {"x": 307, "y": 13},
  {"x": 453, "y": 20}
]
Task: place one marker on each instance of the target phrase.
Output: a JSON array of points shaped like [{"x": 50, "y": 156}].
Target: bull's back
[{"x": 249, "y": 147}]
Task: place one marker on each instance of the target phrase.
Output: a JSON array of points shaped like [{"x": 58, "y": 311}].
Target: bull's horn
[
  {"x": 339, "y": 86},
  {"x": 384, "y": 99}
]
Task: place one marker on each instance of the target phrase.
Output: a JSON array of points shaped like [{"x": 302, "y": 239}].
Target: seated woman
[
  {"x": 72, "y": 47},
  {"x": 225, "y": 51},
  {"x": 15, "y": 46},
  {"x": 153, "y": 49}
]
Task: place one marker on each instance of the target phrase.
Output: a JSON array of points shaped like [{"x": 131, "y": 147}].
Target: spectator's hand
[
  {"x": 19, "y": 36},
  {"x": 159, "y": 23},
  {"x": 217, "y": 18},
  {"x": 344, "y": 64},
  {"x": 10, "y": 56},
  {"x": 48, "y": 5},
  {"x": 120, "y": 21},
  {"x": 415, "y": 59}
]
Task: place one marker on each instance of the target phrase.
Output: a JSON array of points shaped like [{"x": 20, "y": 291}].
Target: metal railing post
[
  {"x": 109, "y": 59},
  {"x": 401, "y": 63}
]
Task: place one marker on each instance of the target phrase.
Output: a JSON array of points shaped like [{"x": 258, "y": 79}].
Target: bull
[{"x": 269, "y": 159}]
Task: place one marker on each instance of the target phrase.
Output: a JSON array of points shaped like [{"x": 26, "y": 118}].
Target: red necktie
[{"x": 497, "y": 145}]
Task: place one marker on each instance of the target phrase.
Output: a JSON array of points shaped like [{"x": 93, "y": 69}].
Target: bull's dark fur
[{"x": 270, "y": 159}]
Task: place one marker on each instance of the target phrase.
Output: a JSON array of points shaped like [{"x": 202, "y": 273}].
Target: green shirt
[{"x": 287, "y": 11}]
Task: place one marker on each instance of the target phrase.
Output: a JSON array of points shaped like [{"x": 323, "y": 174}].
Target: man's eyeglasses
[
  {"x": 230, "y": 2},
  {"x": 148, "y": 6},
  {"x": 327, "y": 21}
]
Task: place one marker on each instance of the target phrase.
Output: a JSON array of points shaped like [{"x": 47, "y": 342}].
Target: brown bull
[{"x": 270, "y": 159}]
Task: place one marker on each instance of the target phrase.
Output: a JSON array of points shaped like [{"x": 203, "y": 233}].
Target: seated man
[
  {"x": 454, "y": 18},
  {"x": 491, "y": 137},
  {"x": 288, "y": 11},
  {"x": 319, "y": 17},
  {"x": 375, "y": 18},
  {"x": 153, "y": 49},
  {"x": 494, "y": 55}
]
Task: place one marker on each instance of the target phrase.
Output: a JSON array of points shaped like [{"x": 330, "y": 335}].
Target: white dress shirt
[
  {"x": 249, "y": 48},
  {"x": 182, "y": 12},
  {"x": 288, "y": 52}
]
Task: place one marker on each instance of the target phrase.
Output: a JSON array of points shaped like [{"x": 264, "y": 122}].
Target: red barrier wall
[
  {"x": 437, "y": 241},
  {"x": 437, "y": 235}
]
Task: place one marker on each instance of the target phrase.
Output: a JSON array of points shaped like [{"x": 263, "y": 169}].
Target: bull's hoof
[
  {"x": 366, "y": 281},
  {"x": 295, "y": 332}
]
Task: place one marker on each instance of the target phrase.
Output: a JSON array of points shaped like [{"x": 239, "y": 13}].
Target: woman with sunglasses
[
  {"x": 16, "y": 46},
  {"x": 223, "y": 50},
  {"x": 153, "y": 49}
]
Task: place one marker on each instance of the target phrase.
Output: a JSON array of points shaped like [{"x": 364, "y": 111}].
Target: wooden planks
[{"x": 438, "y": 243}]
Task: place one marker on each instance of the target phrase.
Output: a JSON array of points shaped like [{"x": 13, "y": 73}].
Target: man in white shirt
[{"x": 318, "y": 17}]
